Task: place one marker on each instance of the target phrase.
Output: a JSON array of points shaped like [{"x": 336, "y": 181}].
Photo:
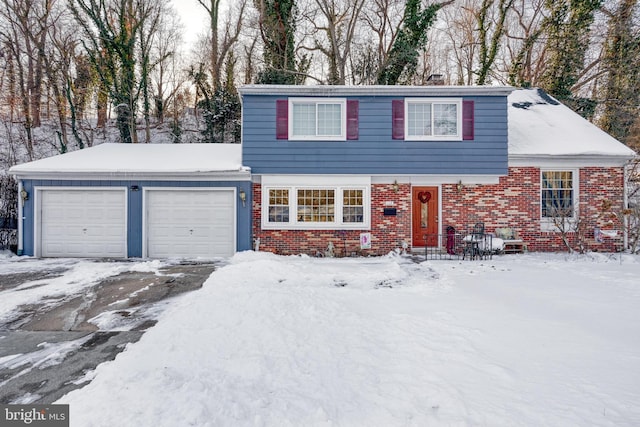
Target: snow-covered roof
[
  {"x": 542, "y": 127},
  {"x": 140, "y": 160}
]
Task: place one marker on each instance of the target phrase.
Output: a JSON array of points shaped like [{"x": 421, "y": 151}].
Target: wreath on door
[{"x": 424, "y": 196}]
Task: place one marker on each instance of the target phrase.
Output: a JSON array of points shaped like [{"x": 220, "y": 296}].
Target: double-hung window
[
  {"x": 316, "y": 207},
  {"x": 317, "y": 119},
  {"x": 558, "y": 198},
  {"x": 433, "y": 119}
]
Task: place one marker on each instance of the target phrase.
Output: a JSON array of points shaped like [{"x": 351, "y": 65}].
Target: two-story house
[
  {"x": 401, "y": 164},
  {"x": 365, "y": 169}
]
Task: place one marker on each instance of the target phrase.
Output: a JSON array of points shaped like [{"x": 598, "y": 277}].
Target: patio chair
[{"x": 476, "y": 245}]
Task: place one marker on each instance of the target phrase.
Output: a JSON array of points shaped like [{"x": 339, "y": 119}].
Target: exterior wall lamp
[
  {"x": 459, "y": 186},
  {"x": 396, "y": 187},
  {"x": 243, "y": 197},
  {"x": 24, "y": 196}
]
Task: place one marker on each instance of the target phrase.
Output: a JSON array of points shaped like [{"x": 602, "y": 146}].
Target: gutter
[
  {"x": 374, "y": 90},
  {"x": 580, "y": 160},
  {"x": 243, "y": 174}
]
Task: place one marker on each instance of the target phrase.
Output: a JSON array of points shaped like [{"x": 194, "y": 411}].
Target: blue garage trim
[{"x": 134, "y": 206}]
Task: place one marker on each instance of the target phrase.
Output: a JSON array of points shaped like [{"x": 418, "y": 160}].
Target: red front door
[{"x": 424, "y": 202}]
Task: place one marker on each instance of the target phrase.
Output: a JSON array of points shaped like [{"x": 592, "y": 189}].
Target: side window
[{"x": 558, "y": 194}]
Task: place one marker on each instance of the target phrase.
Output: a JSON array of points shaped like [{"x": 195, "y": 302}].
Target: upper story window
[
  {"x": 318, "y": 119},
  {"x": 433, "y": 119}
]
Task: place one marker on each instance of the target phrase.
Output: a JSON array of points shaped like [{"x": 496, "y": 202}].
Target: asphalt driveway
[{"x": 51, "y": 346}]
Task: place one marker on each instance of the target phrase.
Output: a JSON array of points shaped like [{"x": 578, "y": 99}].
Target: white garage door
[
  {"x": 83, "y": 223},
  {"x": 190, "y": 223}
]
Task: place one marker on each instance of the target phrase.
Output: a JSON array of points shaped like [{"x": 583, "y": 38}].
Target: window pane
[
  {"x": 278, "y": 205},
  {"x": 316, "y": 205},
  {"x": 445, "y": 118},
  {"x": 557, "y": 194},
  {"x": 419, "y": 119},
  {"x": 352, "y": 207},
  {"x": 304, "y": 119},
  {"x": 329, "y": 119}
]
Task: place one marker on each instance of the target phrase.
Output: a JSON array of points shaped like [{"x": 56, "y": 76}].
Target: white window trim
[
  {"x": 343, "y": 119},
  {"x": 546, "y": 224},
  {"x": 337, "y": 224},
  {"x": 456, "y": 101}
]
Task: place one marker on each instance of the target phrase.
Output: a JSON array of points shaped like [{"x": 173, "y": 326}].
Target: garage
[
  {"x": 136, "y": 201},
  {"x": 190, "y": 222},
  {"x": 83, "y": 222}
]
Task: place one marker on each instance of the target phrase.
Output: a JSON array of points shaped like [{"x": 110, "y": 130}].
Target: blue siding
[
  {"x": 375, "y": 152},
  {"x": 135, "y": 213}
]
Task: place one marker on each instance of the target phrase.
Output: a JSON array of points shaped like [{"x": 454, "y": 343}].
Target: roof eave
[
  {"x": 569, "y": 159},
  {"x": 231, "y": 175},
  {"x": 343, "y": 90}
]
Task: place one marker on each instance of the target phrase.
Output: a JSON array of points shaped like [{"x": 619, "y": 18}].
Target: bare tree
[
  {"x": 335, "y": 23},
  {"x": 221, "y": 44},
  {"x": 23, "y": 31},
  {"x": 491, "y": 19},
  {"x": 166, "y": 76},
  {"x": 381, "y": 20},
  {"x": 461, "y": 41},
  {"x": 524, "y": 47}
]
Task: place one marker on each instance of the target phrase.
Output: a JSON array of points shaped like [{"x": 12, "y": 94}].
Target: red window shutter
[
  {"x": 282, "y": 119},
  {"x": 467, "y": 120},
  {"x": 397, "y": 126},
  {"x": 352, "y": 119}
]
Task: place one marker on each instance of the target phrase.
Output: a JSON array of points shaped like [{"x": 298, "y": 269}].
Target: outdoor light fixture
[
  {"x": 459, "y": 186},
  {"x": 24, "y": 196},
  {"x": 243, "y": 197},
  {"x": 396, "y": 187}
]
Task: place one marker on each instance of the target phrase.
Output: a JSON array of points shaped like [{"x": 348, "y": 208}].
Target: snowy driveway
[
  {"x": 60, "y": 318},
  {"x": 520, "y": 340}
]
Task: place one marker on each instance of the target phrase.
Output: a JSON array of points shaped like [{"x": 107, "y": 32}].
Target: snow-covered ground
[
  {"x": 71, "y": 277},
  {"x": 520, "y": 340}
]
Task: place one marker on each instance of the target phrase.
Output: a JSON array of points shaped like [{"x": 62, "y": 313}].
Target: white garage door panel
[
  {"x": 83, "y": 223},
  {"x": 190, "y": 223}
]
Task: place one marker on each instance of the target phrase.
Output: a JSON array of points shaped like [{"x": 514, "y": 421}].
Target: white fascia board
[
  {"x": 315, "y": 180},
  {"x": 319, "y": 180},
  {"x": 125, "y": 176},
  {"x": 436, "y": 179},
  {"x": 544, "y": 161},
  {"x": 374, "y": 90}
]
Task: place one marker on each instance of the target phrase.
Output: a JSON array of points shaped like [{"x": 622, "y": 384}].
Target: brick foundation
[{"x": 513, "y": 202}]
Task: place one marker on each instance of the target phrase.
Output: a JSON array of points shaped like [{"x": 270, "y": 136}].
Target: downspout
[
  {"x": 625, "y": 205},
  {"x": 20, "y": 219}
]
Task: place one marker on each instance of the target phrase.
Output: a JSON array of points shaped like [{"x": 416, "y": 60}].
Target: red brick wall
[
  {"x": 387, "y": 232},
  {"x": 513, "y": 202}
]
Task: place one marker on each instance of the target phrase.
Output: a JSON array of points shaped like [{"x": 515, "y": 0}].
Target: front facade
[
  {"x": 338, "y": 170},
  {"x": 396, "y": 166}
]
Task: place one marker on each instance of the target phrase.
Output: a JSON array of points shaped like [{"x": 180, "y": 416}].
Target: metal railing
[{"x": 457, "y": 246}]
